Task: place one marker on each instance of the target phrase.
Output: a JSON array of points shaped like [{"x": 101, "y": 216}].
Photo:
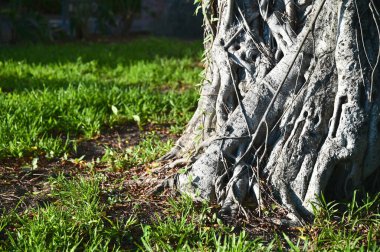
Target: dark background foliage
[{"x": 52, "y": 20}]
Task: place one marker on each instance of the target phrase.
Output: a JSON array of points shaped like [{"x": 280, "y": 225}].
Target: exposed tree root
[{"x": 289, "y": 100}]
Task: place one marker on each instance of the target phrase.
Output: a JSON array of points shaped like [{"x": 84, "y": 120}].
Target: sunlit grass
[
  {"x": 187, "y": 227},
  {"x": 74, "y": 221},
  {"x": 149, "y": 149},
  {"x": 51, "y": 94}
]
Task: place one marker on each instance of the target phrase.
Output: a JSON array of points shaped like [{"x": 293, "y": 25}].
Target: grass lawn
[
  {"x": 51, "y": 95},
  {"x": 81, "y": 126}
]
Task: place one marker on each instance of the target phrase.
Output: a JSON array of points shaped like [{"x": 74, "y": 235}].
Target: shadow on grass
[
  {"x": 106, "y": 54},
  {"x": 148, "y": 60}
]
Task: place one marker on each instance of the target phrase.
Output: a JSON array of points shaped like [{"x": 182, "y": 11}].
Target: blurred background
[{"x": 67, "y": 20}]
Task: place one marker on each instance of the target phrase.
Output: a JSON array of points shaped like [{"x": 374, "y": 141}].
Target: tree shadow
[
  {"x": 105, "y": 54},
  {"x": 11, "y": 83},
  {"x": 102, "y": 55}
]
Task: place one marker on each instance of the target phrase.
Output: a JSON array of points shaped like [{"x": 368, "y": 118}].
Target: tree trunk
[{"x": 290, "y": 101}]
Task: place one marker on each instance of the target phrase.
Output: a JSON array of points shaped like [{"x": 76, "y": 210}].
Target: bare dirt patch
[{"x": 23, "y": 185}]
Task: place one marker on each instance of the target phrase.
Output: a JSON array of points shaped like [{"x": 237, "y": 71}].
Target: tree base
[{"x": 289, "y": 102}]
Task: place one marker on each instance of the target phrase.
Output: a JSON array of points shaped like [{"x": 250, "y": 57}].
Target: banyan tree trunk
[{"x": 289, "y": 100}]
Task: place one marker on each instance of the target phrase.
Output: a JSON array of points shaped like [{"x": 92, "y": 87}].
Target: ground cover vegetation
[{"x": 81, "y": 128}]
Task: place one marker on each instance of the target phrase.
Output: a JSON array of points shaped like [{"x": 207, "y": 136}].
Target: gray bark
[{"x": 289, "y": 101}]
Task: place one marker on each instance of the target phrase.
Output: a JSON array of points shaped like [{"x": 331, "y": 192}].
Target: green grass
[
  {"x": 189, "y": 228},
  {"x": 54, "y": 95},
  {"x": 148, "y": 150},
  {"x": 186, "y": 227},
  {"x": 50, "y": 94},
  {"x": 75, "y": 220},
  {"x": 356, "y": 228}
]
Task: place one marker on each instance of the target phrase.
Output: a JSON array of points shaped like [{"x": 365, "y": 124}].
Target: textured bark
[{"x": 290, "y": 100}]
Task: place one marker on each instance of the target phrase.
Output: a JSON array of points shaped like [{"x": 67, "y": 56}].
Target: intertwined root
[{"x": 288, "y": 100}]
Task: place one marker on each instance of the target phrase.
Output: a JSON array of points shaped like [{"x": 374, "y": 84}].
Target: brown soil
[{"x": 22, "y": 186}]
